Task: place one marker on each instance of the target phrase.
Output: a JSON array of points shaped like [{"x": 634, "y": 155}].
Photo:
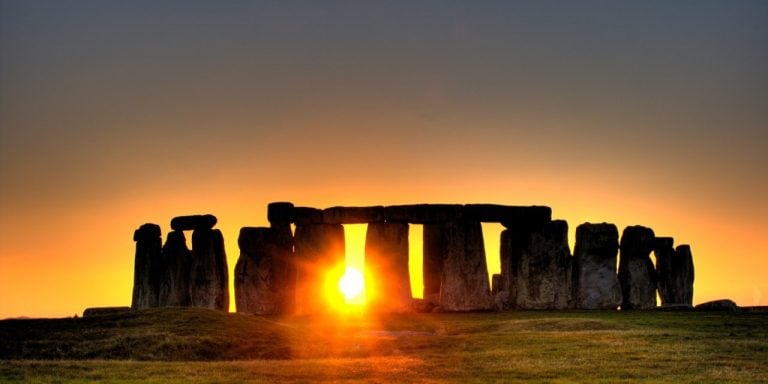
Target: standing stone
[
  {"x": 386, "y": 258},
  {"x": 257, "y": 291},
  {"x": 465, "y": 273},
  {"x": 281, "y": 215},
  {"x": 539, "y": 266},
  {"x": 318, "y": 249},
  {"x": 175, "y": 271},
  {"x": 636, "y": 272},
  {"x": 209, "y": 279},
  {"x": 683, "y": 275},
  {"x": 664, "y": 253},
  {"x": 147, "y": 267},
  {"x": 595, "y": 283},
  {"x": 434, "y": 244}
]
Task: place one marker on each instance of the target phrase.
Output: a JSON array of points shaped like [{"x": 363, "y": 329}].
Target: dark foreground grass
[{"x": 202, "y": 346}]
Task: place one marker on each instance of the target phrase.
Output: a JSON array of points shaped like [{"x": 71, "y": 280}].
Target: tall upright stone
[
  {"x": 257, "y": 290},
  {"x": 465, "y": 284},
  {"x": 386, "y": 258},
  {"x": 147, "y": 267},
  {"x": 683, "y": 275},
  {"x": 539, "y": 266},
  {"x": 318, "y": 248},
  {"x": 664, "y": 253},
  {"x": 636, "y": 271},
  {"x": 175, "y": 271},
  {"x": 281, "y": 215},
  {"x": 595, "y": 282},
  {"x": 209, "y": 279},
  {"x": 433, "y": 254}
]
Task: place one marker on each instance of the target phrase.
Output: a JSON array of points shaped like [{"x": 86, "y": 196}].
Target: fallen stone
[
  {"x": 636, "y": 271},
  {"x": 540, "y": 267},
  {"x": 175, "y": 271},
  {"x": 209, "y": 279},
  {"x": 725, "y": 305},
  {"x": 147, "y": 267},
  {"x": 280, "y": 213},
  {"x": 105, "y": 311},
  {"x": 465, "y": 273},
  {"x": 318, "y": 249},
  {"x": 423, "y": 213},
  {"x": 257, "y": 291},
  {"x": 353, "y": 215},
  {"x": 433, "y": 254},
  {"x": 186, "y": 223},
  {"x": 386, "y": 258},
  {"x": 307, "y": 216},
  {"x": 595, "y": 283}
]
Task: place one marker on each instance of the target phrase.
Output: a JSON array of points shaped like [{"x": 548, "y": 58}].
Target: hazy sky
[{"x": 116, "y": 113}]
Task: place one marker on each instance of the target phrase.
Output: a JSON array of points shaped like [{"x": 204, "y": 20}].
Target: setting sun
[{"x": 352, "y": 285}]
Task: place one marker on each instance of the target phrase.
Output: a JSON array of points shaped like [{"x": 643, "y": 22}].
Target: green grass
[{"x": 202, "y": 346}]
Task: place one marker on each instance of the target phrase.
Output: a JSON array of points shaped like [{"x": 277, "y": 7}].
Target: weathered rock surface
[
  {"x": 318, "y": 248},
  {"x": 280, "y": 212},
  {"x": 353, "y": 215},
  {"x": 495, "y": 283},
  {"x": 434, "y": 244},
  {"x": 185, "y": 223},
  {"x": 175, "y": 272},
  {"x": 257, "y": 289},
  {"x": 636, "y": 271},
  {"x": 465, "y": 284},
  {"x": 423, "y": 213},
  {"x": 209, "y": 278},
  {"x": 307, "y": 216},
  {"x": 725, "y": 305},
  {"x": 386, "y": 258},
  {"x": 595, "y": 282},
  {"x": 539, "y": 266},
  {"x": 147, "y": 267}
]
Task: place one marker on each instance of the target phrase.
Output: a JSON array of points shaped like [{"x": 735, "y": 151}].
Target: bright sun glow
[{"x": 351, "y": 284}]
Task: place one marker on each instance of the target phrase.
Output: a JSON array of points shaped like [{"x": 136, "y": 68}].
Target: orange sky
[{"x": 115, "y": 114}]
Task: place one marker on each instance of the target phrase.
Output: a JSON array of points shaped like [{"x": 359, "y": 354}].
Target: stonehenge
[{"x": 287, "y": 267}]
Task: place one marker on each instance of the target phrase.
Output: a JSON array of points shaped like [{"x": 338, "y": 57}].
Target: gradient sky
[{"x": 116, "y": 113}]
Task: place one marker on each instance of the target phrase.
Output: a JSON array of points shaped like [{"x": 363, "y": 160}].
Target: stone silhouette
[
  {"x": 257, "y": 290},
  {"x": 193, "y": 222},
  {"x": 282, "y": 272},
  {"x": 386, "y": 257},
  {"x": 464, "y": 285},
  {"x": 636, "y": 272},
  {"x": 595, "y": 283},
  {"x": 674, "y": 269},
  {"x": 539, "y": 266},
  {"x": 280, "y": 216},
  {"x": 147, "y": 267},
  {"x": 209, "y": 274},
  {"x": 175, "y": 272}
]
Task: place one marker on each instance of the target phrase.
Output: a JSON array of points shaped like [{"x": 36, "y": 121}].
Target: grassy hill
[{"x": 198, "y": 345}]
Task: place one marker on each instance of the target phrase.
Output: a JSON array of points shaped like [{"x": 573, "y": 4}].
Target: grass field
[{"x": 203, "y": 346}]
